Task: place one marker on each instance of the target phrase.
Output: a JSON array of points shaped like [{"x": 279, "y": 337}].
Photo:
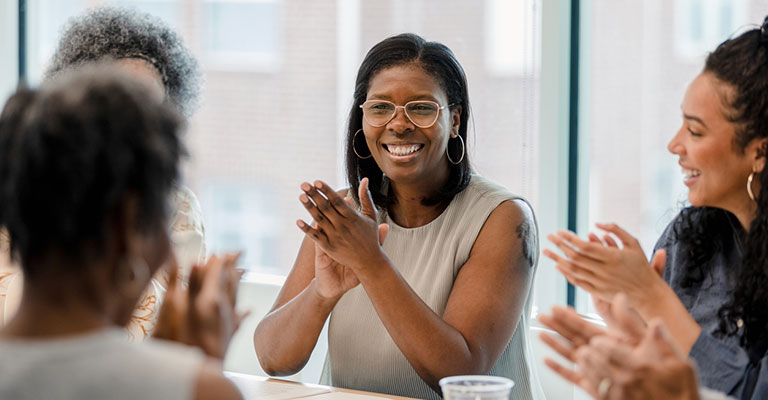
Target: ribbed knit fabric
[{"x": 362, "y": 355}]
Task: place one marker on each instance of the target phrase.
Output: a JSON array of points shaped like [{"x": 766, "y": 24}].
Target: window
[
  {"x": 241, "y": 34},
  {"x": 8, "y": 49},
  {"x": 45, "y": 19},
  {"x": 235, "y": 219},
  {"x": 701, "y": 24},
  {"x": 510, "y": 35}
]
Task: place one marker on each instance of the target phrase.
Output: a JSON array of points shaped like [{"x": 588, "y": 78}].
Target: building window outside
[
  {"x": 241, "y": 34},
  {"x": 242, "y": 217}
]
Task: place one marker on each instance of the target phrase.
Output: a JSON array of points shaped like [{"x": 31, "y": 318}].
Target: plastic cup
[{"x": 476, "y": 387}]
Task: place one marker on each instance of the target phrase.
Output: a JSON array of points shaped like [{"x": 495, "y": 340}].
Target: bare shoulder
[
  {"x": 512, "y": 221},
  {"x": 211, "y": 384},
  {"x": 512, "y": 217},
  {"x": 513, "y": 210}
]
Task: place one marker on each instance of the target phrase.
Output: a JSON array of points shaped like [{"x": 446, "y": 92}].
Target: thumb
[
  {"x": 661, "y": 341},
  {"x": 659, "y": 261},
  {"x": 366, "y": 201},
  {"x": 383, "y": 231}
]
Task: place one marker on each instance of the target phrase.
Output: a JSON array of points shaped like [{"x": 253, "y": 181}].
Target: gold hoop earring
[
  {"x": 749, "y": 186},
  {"x": 447, "y": 153},
  {"x": 354, "y": 148}
]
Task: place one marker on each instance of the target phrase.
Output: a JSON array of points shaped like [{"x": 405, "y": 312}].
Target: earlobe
[
  {"x": 456, "y": 116},
  {"x": 759, "y": 164},
  {"x": 760, "y": 154}
]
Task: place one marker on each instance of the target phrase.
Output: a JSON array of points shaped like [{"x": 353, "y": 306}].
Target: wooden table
[{"x": 252, "y": 387}]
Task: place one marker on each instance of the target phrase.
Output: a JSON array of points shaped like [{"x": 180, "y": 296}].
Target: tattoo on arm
[{"x": 529, "y": 241}]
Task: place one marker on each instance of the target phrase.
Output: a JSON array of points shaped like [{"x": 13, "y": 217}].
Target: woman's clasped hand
[
  {"x": 346, "y": 241},
  {"x": 605, "y": 267}
]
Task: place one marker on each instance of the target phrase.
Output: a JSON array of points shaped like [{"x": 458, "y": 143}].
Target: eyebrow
[
  {"x": 375, "y": 96},
  {"x": 695, "y": 118}
]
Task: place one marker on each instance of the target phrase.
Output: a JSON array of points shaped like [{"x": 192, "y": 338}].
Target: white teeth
[
  {"x": 403, "y": 150},
  {"x": 690, "y": 173}
]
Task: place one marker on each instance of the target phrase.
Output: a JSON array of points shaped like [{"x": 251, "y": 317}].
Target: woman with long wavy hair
[{"x": 707, "y": 280}]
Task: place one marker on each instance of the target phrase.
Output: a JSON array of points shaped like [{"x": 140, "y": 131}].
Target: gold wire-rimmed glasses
[{"x": 422, "y": 113}]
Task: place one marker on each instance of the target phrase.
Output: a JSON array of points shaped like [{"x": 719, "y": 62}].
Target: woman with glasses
[
  {"x": 424, "y": 268},
  {"x": 712, "y": 292},
  {"x": 148, "y": 49}
]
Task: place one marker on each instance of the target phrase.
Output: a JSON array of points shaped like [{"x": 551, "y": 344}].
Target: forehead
[
  {"x": 705, "y": 98},
  {"x": 408, "y": 80},
  {"x": 144, "y": 72}
]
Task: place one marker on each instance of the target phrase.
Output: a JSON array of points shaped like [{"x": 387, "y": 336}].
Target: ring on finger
[{"x": 603, "y": 388}]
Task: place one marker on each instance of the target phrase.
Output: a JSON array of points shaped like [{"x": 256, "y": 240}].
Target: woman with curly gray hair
[
  {"x": 136, "y": 40},
  {"x": 149, "y": 50}
]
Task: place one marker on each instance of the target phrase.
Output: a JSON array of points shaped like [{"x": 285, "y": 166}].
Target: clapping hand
[
  {"x": 654, "y": 368},
  {"x": 626, "y": 327},
  {"x": 204, "y": 314},
  {"x": 344, "y": 238},
  {"x": 605, "y": 269}
]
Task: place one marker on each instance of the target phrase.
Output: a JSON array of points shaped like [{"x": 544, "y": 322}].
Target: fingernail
[
  {"x": 304, "y": 198},
  {"x": 305, "y": 186},
  {"x": 300, "y": 223},
  {"x": 319, "y": 185}
]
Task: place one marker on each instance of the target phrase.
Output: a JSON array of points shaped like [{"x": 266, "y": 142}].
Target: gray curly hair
[{"x": 117, "y": 32}]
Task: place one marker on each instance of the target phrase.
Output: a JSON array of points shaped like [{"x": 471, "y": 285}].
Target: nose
[
  {"x": 675, "y": 146},
  {"x": 400, "y": 123}
]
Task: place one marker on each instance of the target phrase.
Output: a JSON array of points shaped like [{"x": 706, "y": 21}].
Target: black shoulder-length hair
[{"x": 440, "y": 62}]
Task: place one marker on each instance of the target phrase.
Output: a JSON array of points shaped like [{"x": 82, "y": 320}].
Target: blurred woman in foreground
[
  {"x": 150, "y": 51},
  {"x": 87, "y": 163}
]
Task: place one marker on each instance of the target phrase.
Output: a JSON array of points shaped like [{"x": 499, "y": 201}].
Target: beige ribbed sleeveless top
[{"x": 362, "y": 355}]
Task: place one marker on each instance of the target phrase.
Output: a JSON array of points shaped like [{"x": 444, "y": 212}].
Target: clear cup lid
[{"x": 476, "y": 384}]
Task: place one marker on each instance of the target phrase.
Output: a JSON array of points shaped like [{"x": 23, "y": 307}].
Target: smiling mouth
[
  {"x": 402, "y": 149},
  {"x": 690, "y": 173}
]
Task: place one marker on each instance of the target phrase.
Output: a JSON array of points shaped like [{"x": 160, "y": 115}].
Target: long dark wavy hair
[
  {"x": 437, "y": 60},
  {"x": 740, "y": 63}
]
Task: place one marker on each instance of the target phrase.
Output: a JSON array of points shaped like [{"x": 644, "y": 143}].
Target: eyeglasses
[{"x": 422, "y": 113}]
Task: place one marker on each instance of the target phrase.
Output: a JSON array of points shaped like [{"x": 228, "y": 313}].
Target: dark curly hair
[
  {"x": 70, "y": 155},
  {"x": 741, "y": 64},
  {"x": 437, "y": 60},
  {"x": 118, "y": 33},
  {"x": 698, "y": 228}
]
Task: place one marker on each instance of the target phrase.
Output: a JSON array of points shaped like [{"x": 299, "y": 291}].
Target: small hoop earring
[
  {"x": 354, "y": 148},
  {"x": 448, "y": 154},
  {"x": 749, "y": 186}
]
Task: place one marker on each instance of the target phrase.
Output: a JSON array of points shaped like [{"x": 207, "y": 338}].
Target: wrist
[
  {"x": 321, "y": 300},
  {"x": 371, "y": 267},
  {"x": 652, "y": 300}
]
